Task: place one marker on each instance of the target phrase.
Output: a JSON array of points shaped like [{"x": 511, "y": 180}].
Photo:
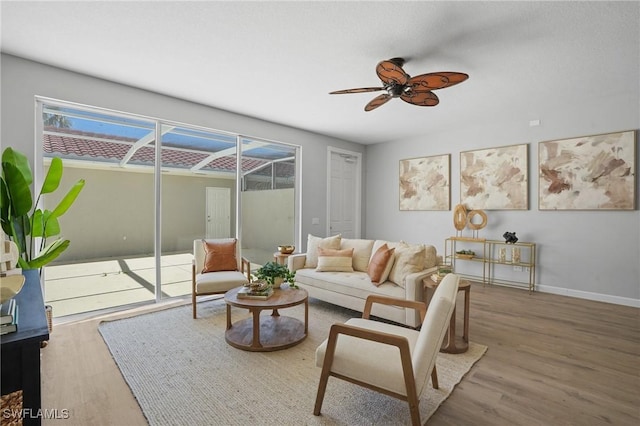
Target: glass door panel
[
  {"x": 267, "y": 198},
  {"x": 110, "y": 259},
  {"x": 198, "y": 198}
]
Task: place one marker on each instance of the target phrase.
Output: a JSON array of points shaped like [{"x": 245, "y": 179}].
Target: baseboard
[{"x": 599, "y": 297}]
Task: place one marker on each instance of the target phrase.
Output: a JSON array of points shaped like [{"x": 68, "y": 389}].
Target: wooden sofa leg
[{"x": 193, "y": 302}]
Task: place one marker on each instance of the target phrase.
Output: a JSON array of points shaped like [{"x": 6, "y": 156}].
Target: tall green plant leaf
[
  {"x": 48, "y": 254},
  {"x": 18, "y": 189},
  {"x": 51, "y": 224},
  {"x": 37, "y": 221},
  {"x": 5, "y": 207},
  {"x": 20, "y": 161},
  {"x": 54, "y": 175},
  {"x": 68, "y": 199}
]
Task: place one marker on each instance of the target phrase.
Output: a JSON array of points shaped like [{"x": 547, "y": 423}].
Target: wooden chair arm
[
  {"x": 393, "y": 301},
  {"x": 400, "y": 342},
  {"x": 367, "y": 334}
]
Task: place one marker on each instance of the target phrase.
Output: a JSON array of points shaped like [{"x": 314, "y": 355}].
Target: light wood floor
[{"x": 552, "y": 360}]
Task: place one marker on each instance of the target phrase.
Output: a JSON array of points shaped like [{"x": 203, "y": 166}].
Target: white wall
[
  {"x": 22, "y": 80},
  {"x": 589, "y": 254}
]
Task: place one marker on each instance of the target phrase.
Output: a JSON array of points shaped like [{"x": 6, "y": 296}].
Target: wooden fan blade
[
  {"x": 428, "y": 82},
  {"x": 391, "y": 73},
  {"x": 377, "y": 101},
  {"x": 436, "y": 80},
  {"x": 360, "y": 90},
  {"x": 420, "y": 98}
]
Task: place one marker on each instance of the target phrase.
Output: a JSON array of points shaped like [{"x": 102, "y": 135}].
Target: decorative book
[
  {"x": 12, "y": 326},
  {"x": 8, "y": 311},
  {"x": 261, "y": 294}
]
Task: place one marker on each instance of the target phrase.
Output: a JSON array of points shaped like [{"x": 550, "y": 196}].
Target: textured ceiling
[{"x": 277, "y": 61}]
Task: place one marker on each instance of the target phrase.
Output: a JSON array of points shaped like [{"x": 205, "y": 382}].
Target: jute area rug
[{"x": 182, "y": 372}]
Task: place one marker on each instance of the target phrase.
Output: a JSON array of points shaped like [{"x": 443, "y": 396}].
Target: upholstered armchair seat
[
  {"x": 370, "y": 361},
  {"x": 215, "y": 282},
  {"x": 218, "y": 281},
  {"x": 388, "y": 358}
]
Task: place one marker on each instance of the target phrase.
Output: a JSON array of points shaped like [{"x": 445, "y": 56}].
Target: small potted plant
[{"x": 274, "y": 274}]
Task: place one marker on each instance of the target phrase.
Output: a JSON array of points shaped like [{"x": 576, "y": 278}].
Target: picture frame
[
  {"x": 425, "y": 183},
  {"x": 596, "y": 172},
  {"x": 495, "y": 178}
]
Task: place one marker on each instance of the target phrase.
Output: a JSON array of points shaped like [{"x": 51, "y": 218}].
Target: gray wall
[
  {"x": 588, "y": 254},
  {"x": 22, "y": 80}
]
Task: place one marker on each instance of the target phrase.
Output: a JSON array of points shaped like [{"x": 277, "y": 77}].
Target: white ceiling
[{"x": 277, "y": 61}]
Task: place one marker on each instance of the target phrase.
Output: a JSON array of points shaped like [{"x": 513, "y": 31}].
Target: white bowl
[{"x": 10, "y": 286}]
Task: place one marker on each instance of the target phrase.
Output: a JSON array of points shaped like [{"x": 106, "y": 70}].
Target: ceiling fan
[{"x": 398, "y": 84}]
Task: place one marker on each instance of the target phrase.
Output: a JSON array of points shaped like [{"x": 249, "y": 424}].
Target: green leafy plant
[
  {"x": 272, "y": 270},
  {"x": 22, "y": 221}
]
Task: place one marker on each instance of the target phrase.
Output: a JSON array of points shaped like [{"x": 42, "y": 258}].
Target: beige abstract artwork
[
  {"x": 588, "y": 173},
  {"x": 495, "y": 178},
  {"x": 425, "y": 183}
]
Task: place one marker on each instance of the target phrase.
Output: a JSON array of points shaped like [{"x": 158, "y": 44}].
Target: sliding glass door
[
  {"x": 111, "y": 228},
  {"x": 152, "y": 188},
  {"x": 198, "y": 198}
]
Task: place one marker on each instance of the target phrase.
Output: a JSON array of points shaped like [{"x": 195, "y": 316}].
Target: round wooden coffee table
[{"x": 263, "y": 333}]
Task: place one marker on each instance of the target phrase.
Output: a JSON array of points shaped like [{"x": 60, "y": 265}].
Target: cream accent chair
[
  {"x": 215, "y": 282},
  {"x": 390, "y": 359}
]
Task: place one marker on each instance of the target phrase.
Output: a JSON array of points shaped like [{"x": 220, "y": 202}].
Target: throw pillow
[
  {"x": 331, "y": 260},
  {"x": 380, "y": 265},
  {"x": 409, "y": 259},
  {"x": 361, "y": 252},
  {"x": 220, "y": 256},
  {"x": 313, "y": 243}
]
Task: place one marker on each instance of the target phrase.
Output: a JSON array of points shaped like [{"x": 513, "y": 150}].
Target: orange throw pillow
[
  {"x": 220, "y": 256},
  {"x": 378, "y": 264}
]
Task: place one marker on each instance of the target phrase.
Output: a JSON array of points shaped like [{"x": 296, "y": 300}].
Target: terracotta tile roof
[{"x": 79, "y": 145}]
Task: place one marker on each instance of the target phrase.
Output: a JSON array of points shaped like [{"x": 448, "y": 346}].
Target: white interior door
[
  {"x": 218, "y": 214},
  {"x": 343, "y": 196}
]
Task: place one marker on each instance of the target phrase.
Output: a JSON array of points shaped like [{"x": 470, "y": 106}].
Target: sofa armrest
[
  {"x": 296, "y": 261},
  {"x": 414, "y": 289}
]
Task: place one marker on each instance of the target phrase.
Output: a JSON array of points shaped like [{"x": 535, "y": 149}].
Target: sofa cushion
[
  {"x": 331, "y": 260},
  {"x": 218, "y": 282},
  {"x": 220, "y": 256},
  {"x": 409, "y": 258},
  {"x": 361, "y": 252},
  {"x": 356, "y": 284},
  {"x": 380, "y": 265},
  {"x": 314, "y": 242}
]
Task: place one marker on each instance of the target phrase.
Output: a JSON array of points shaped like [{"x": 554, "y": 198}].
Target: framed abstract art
[
  {"x": 425, "y": 183},
  {"x": 495, "y": 178},
  {"x": 588, "y": 173}
]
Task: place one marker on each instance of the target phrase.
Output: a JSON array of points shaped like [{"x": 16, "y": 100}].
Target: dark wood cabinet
[{"x": 20, "y": 369}]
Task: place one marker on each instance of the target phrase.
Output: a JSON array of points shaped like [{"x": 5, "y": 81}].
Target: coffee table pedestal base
[{"x": 275, "y": 333}]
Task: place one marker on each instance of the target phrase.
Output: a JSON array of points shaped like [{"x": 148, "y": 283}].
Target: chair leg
[
  {"x": 414, "y": 408},
  {"x": 434, "y": 378},
  {"x": 322, "y": 387},
  {"x": 193, "y": 302}
]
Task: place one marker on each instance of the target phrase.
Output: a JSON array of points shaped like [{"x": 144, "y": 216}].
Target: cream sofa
[{"x": 410, "y": 263}]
